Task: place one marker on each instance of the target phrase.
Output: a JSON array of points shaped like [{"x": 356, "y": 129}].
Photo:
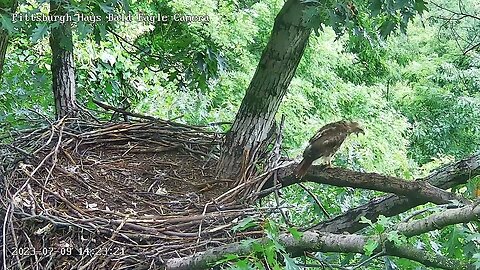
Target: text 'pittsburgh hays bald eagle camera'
[{"x": 325, "y": 143}]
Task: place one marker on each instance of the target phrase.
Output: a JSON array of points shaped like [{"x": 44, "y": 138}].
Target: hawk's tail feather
[{"x": 302, "y": 168}]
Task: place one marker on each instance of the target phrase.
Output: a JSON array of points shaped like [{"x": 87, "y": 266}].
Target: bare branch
[
  {"x": 471, "y": 48},
  {"x": 452, "y": 21},
  {"x": 461, "y": 14},
  {"x": 440, "y": 220},
  {"x": 417, "y": 190}
]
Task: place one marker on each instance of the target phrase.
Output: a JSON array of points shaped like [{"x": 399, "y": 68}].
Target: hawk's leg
[{"x": 328, "y": 161}]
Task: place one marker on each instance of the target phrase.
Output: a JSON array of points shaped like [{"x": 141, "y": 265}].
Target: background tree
[
  {"x": 6, "y": 8},
  {"x": 63, "y": 66},
  {"x": 458, "y": 22}
]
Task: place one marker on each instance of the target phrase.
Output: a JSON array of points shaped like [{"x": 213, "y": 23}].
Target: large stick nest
[{"x": 79, "y": 195}]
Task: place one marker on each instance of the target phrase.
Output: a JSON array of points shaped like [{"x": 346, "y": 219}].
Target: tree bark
[
  {"x": 4, "y": 36},
  {"x": 63, "y": 67},
  {"x": 415, "y": 190},
  {"x": 440, "y": 220},
  {"x": 248, "y": 137}
]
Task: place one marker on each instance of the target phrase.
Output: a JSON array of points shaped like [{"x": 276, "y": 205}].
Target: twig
[{"x": 320, "y": 205}]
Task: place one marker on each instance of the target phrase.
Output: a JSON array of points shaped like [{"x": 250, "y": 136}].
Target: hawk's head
[{"x": 354, "y": 127}]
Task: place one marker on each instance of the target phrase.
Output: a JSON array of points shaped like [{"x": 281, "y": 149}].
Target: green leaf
[
  {"x": 379, "y": 228},
  {"x": 420, "y": 6},
  {"x": 83, "y": 29},
  {"x": 278, "y": 246},
  {"x": 99, "y": 32},
  {"x": 106, "y": 8},
  {"x": 256, "y": 247},
  {"x": 10, "y": 118},
  {"x": 258, "y": 266},
  {"x": 375, "y": 7},
  {"x": 125, "y": 5},
  {"x": 227, "y": 258},
  {"x": 39, "y": 32},
  {"x": 387, "y": 27},
  {"x": 249, "y": 242},
  {"x": 242, "y": 264},
  {"x": 97, "y": 36},
  {"x": 271, "y": 254},
  {"x": 477, "y": 260},
  {"x": 399, "y": 4},
  {"x": 396, "y": 238},
  {"x": 453, "y": 243},
  {"x": 370, "y": 247},
  {"x": 244, "y": 224},
  {"x": 272, "y": 229},
  {"x": 290, "y": 263},
  {"x": 109, "y": 89},
  {"x": 364, "y": 220},
  {"x": 381, "y": 224},
  {"x": 295, "y": 233},
  {"x": 6, "y": 23}
]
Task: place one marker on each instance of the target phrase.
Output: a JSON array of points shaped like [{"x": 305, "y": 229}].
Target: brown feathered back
[{"x": 325, "y": 143}]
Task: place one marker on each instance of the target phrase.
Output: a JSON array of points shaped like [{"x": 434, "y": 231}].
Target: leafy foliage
[{"x": 370, "y": 19}]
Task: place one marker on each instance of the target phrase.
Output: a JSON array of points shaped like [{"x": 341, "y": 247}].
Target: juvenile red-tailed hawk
[{"x": 325, "y": 143}]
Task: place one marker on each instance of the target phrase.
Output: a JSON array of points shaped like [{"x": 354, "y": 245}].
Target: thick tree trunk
[
  {"x": 63, "y": 68},
  {"x": 4, "y": 37},
  {"x": 247, "y": 138}
]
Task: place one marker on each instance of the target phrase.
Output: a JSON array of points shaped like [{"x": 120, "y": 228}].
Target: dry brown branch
[{"x": 418, "y": 190}]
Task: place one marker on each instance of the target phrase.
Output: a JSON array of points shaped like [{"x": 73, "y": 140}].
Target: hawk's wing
[
  {"x": 328, "y": 130},
  {"x": 327, "y": 140},
  {"x": 324, "y": 143}
]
